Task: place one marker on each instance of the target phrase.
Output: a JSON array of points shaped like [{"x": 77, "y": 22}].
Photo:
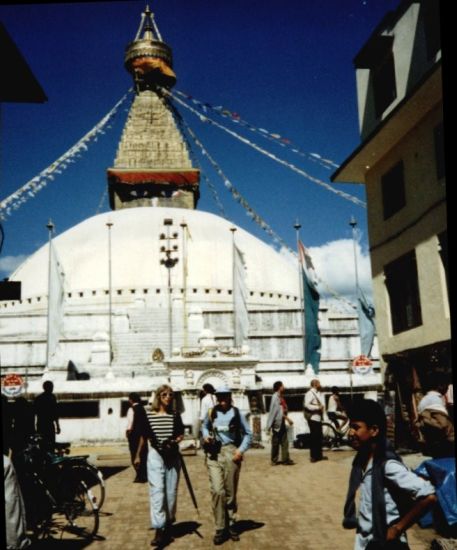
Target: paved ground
[{"x": 286, "y": 507}]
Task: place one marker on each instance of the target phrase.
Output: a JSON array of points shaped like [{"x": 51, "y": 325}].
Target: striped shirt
[{"x": 161, "y": 425}]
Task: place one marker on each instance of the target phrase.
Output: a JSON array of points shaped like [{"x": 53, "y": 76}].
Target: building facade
[{"x": 401, "y": 162}]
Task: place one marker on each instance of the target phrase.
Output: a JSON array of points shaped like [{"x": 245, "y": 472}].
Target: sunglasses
[{"x": 166, "y": 394}]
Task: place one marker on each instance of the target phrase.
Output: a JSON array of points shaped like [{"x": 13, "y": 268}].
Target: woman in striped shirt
[{"x": 162, "y": 432}]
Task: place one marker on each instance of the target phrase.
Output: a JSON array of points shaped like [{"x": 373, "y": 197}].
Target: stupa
[{"x": 149, "y": 289}]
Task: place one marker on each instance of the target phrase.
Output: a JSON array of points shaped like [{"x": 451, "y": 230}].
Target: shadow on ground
[
  {"x": 248, "y": 525},
  {"x": 109, "y": 471}
]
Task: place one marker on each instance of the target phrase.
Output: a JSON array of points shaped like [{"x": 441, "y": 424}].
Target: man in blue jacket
[{"x": 227, "y": 436}]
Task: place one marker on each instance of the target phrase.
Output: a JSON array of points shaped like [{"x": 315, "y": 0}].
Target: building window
[
  {"x": 393, "y": 190},
  {"x": 79, "y": 409},
  {"x": 432, "y": 27},
  {"x": 439, "y": 150},
  {"x": 384, "y": 84},
  {"x": 403, "y": 288}
]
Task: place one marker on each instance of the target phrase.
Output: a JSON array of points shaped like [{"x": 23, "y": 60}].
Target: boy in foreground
[{"x": 392, "y": 498}]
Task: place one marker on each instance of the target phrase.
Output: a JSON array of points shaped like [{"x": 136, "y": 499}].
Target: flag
[
  {"x": 55, "y": 301},
  {"x": 311, "y": 310},
  {"x": 240, "y": 297},
  {"x": 366, "y": 323}
]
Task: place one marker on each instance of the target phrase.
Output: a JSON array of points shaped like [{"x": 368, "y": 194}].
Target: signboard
[
  {"x": 12, "y": 385},
  {"x": 362, "y": 364}
]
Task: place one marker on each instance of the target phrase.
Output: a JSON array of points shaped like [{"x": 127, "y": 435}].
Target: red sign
[
  {"x": 362, "y": 364},
  {"x": 12, "y": 385}
]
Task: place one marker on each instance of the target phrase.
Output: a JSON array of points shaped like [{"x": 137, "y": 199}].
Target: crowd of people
[{"x": 154, "y": 432}]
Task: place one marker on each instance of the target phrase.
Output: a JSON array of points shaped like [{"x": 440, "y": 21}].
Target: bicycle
[
  {"x": 56, "y": 495},
  {"x": 334, "y": 435},
  {"x": 92, "y": 476}
]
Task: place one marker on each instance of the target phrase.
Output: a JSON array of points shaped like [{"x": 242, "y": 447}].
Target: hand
[
  {"x": 393, "y": 532},
  {"x": 179, "y": 438},
  {"x": 136, "y": 462},
  {"x": 237, "y": 457}
]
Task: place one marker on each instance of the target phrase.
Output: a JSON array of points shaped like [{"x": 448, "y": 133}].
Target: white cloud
[
  {"x": 9, "y": 263},
  {"x": 334, "y": 265}
]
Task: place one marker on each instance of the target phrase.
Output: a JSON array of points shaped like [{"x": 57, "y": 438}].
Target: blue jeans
[{"x": 163, "y": 481}]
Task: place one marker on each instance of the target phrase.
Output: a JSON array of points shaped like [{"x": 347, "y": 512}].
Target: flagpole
[
  {"x": 297, "y": 227},
  {"x": 353, "y": 224},
  {"x": 50, "y": 227},
  {"x": 235, "y": 336},
  {"x": 184, "y": 280},
  {"x": 110, "y": 374}
]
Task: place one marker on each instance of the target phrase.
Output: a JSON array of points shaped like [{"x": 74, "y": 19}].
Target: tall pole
[
  {"x": 169, "y": 263},
  {"x": 110, "y": 374},
  {"x": 235, "y": 332},
  {"x": 353, "y": 224},
  {"x": 50, "y": 226},
  {"x": 183, "y": 224},
  {"x": 297, "y": 227}
]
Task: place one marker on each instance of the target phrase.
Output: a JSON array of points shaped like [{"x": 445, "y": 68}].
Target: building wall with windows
[{"x": 401, "y": 162}]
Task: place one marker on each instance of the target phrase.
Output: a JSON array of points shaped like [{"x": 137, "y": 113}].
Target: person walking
[
  {"x": 135, "y": 420},
  {"x": 382, "y": 480},
  {"x": 314, "y": 410},
  {"x": 162, "y": 430},
  {"x": 46, "y": 415},
  {"x": 227, "y": 436},
  {"x": 276, "y": 422},
  {"x": 208, "y": 401}
]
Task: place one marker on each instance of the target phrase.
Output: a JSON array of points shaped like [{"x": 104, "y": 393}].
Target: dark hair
[
  {"x": 135, "y": 397},
  {"x": 277, "y": 385},
  {"x": 48, "y": 385},
  {"x": 370, "y": 412},
  {"x": 335, "y": 389},
  {"x": 208, "y": 388}
]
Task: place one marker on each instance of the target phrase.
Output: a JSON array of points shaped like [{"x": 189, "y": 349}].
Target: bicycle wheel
[
  {"x": 329, "y": 436},
  {"x": 81, "y": 514},
  {"x": 93, "y": 478}
]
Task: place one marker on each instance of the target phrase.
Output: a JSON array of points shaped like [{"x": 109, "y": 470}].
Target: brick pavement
[{"x": 291, "y": 507}]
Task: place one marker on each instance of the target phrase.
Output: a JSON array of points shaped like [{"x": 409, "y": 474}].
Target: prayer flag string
[
  {"x": 272, "y": 136},
  {"x": 324, "y": 184},
  {"x": 33, "y": 186}
]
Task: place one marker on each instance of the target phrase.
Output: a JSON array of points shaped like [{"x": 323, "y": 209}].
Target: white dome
[{"x": 135, "y": 255}]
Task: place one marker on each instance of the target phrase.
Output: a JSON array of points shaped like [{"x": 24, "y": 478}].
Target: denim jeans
[{"x": 163, "y": 481}]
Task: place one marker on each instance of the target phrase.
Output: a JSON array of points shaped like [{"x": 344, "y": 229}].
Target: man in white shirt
[
  {"x": 208, "y": 401},
  {"x": 314, "y": 410},
  {"x": 435, "y": 424}
]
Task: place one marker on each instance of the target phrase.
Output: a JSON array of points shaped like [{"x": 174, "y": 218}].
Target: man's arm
[{"x": 411, "y": 517}]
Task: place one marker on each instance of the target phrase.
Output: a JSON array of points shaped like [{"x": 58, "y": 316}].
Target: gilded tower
[{"x": 152, "y": 166}]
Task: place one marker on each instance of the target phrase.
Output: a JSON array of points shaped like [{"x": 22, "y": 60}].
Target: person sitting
[
  {"x": 434, "y": 423},
  {"x": 335, "y": 409}
]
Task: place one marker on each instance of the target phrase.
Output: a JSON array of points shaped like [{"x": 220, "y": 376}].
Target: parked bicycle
[
  {"x": 335, "y": 432},
  {"x": 57, "y": 495}
]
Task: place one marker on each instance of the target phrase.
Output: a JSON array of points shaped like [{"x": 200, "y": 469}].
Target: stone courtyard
[{"x": 288, "y": 507}]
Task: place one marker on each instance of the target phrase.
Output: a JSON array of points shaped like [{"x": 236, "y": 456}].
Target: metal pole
[
  {"x": 297, "y": 227},
  {"x": 184, "y": 280},
  {"x": 109, "y": 374},
  {"x": 235, "y": 332},
  {"x": 170, "y": 309},
  {"x": 353, "y": 224},
  {"x": 50, "y": 227}
]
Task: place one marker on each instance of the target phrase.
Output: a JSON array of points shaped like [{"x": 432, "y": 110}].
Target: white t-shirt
[{"x": 208, "y": 402}]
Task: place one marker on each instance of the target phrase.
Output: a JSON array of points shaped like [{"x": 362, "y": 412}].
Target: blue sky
[{"x": 283, "y": 65}]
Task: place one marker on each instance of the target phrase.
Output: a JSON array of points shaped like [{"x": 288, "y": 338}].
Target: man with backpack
[
  {"x": 391, "y": 497},
  {"x": 226, "y": 436}
]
